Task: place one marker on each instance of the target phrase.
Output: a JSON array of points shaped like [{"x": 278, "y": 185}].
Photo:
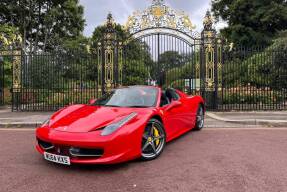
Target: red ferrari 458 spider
[{"x": 125, "y": 124}]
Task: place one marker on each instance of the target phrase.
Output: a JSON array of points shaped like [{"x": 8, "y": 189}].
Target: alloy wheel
[{"x": 153, "y": 140}]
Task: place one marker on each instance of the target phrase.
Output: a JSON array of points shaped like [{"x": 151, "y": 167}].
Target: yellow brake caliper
[{"x": 156, "y": 134}]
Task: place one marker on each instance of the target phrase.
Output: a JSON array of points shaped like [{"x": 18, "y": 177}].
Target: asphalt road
[{"x": 211, "y": 160}]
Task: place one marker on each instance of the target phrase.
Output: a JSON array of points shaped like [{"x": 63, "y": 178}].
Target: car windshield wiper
[
  {"x": 112, "y": 106},
  {"x": 137, "y": 106},
  {"x": 132, "y": 106}
]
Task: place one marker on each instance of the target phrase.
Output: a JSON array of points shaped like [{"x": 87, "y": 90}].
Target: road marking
[{"x": 17, "y": 129}]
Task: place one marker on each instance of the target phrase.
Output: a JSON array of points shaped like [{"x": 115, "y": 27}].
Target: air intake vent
[
  {"x": 81, "y": 152},
  {"x": 45, "y": 145}
]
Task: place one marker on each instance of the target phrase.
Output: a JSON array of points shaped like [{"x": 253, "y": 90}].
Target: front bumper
[{"x": 123, "y": 145}]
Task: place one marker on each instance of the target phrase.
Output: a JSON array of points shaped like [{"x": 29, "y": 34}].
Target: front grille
[
  {"x": 70, "y": 151},
  {"x": 84, "y": 152},
  {"x": 62, "y": 150}
]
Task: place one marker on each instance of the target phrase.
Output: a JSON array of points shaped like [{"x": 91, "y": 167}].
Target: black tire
[
  {"x": 199, "y": 124},
  {"x": 153, "y": 140}
]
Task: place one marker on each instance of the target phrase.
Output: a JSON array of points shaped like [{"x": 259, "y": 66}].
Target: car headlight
[{"x": 115, "y": 126}]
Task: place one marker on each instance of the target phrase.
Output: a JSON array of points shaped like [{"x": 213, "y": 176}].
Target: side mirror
[
  {"x": 173, "y": 104},
  {"x": 92, "y": 101}
]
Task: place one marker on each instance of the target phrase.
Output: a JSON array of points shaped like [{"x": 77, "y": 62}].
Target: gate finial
[
  {"x": 110, "y": 23},
  {"x": 110, "y": 19},
  {"x": 208, "y": 21}
]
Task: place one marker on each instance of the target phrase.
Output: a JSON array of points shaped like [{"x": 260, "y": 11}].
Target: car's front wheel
[{"x": 153, "y": 140}]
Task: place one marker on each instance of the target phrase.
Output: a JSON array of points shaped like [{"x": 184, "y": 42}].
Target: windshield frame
[{"x": 155, "y": 104}]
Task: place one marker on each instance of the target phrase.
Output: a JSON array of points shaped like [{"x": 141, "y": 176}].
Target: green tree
[
  {"x": 9, "y": 35},
  {"x": 260, "y": 68},
  {"x": 135, "y": 73},
  {"x": 271, "y": 69},
  {"x": 43, "y": 24},
  {"x": 251, "y": 22},
  {"x": 170, "y": 59},
  {"x": 184, "y": 69},
  {"x": 80, "y": 44}
]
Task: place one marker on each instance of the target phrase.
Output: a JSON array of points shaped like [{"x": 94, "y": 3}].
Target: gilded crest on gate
[
  {"x": 158, "y": 11},
  {"x": 159, "y": 15}
]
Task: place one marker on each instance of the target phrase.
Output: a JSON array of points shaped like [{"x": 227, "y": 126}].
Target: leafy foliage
[
  {"x": 185, "y": 69},
  {"x": 137, "y": 73},
  {"x": 8, "y": 36},
  {"x": 264, "y": 68},
  {"x": 251, "y": 22},
  {"x": 247, "y": 98},
  {"x": 169, "y": 60},
  {"x": 43, "y": 24}
]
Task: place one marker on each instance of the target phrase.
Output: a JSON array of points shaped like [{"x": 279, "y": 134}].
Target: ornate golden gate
[
  {"x": 162, "y": 49},
  {"x": 160, "y": 31}
]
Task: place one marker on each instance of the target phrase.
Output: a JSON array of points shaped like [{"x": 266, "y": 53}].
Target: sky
[{"x": 96, "y": 11}]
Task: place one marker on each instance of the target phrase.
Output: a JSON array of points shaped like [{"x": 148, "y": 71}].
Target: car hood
[{"x": 86, "y": 118}]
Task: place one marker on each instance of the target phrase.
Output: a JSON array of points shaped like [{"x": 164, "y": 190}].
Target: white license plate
[{"x": 57, "y": 158}]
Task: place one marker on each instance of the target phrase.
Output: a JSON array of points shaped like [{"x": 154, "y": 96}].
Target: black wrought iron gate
[
  {"x": 163, "y": 59},
  {"x": 159, "y": 52}
]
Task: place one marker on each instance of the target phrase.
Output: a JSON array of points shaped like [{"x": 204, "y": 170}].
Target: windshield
[{"x": 129, "y": 97}]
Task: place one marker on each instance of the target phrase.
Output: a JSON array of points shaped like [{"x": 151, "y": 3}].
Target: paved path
[
  {"x": 261, "y": 118},
  {"x": 251, "y": 115},
  {"x": 10, "y": 119},
  {"x": 22, "y": 119},
  {"x": 214, "y": 159}
]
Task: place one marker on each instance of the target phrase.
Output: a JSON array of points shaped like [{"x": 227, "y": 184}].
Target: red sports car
[{"x": 125, "y": 124}]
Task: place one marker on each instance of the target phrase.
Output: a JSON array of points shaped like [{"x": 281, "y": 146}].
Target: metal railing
[
  {"x": 254, "y": 79},
  {"x": 239, "y": 79}
]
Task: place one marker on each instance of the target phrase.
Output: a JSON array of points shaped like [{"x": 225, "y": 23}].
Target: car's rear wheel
[
  {"x": 153, "y": 140},
  {"x": 199, "y": 118}
]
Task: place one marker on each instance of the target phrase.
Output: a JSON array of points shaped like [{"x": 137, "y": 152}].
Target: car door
[
  {"x": 188, "y": 106},
  {"x": 173, "y": 116},
  {"x": 185, "y": 115}
]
